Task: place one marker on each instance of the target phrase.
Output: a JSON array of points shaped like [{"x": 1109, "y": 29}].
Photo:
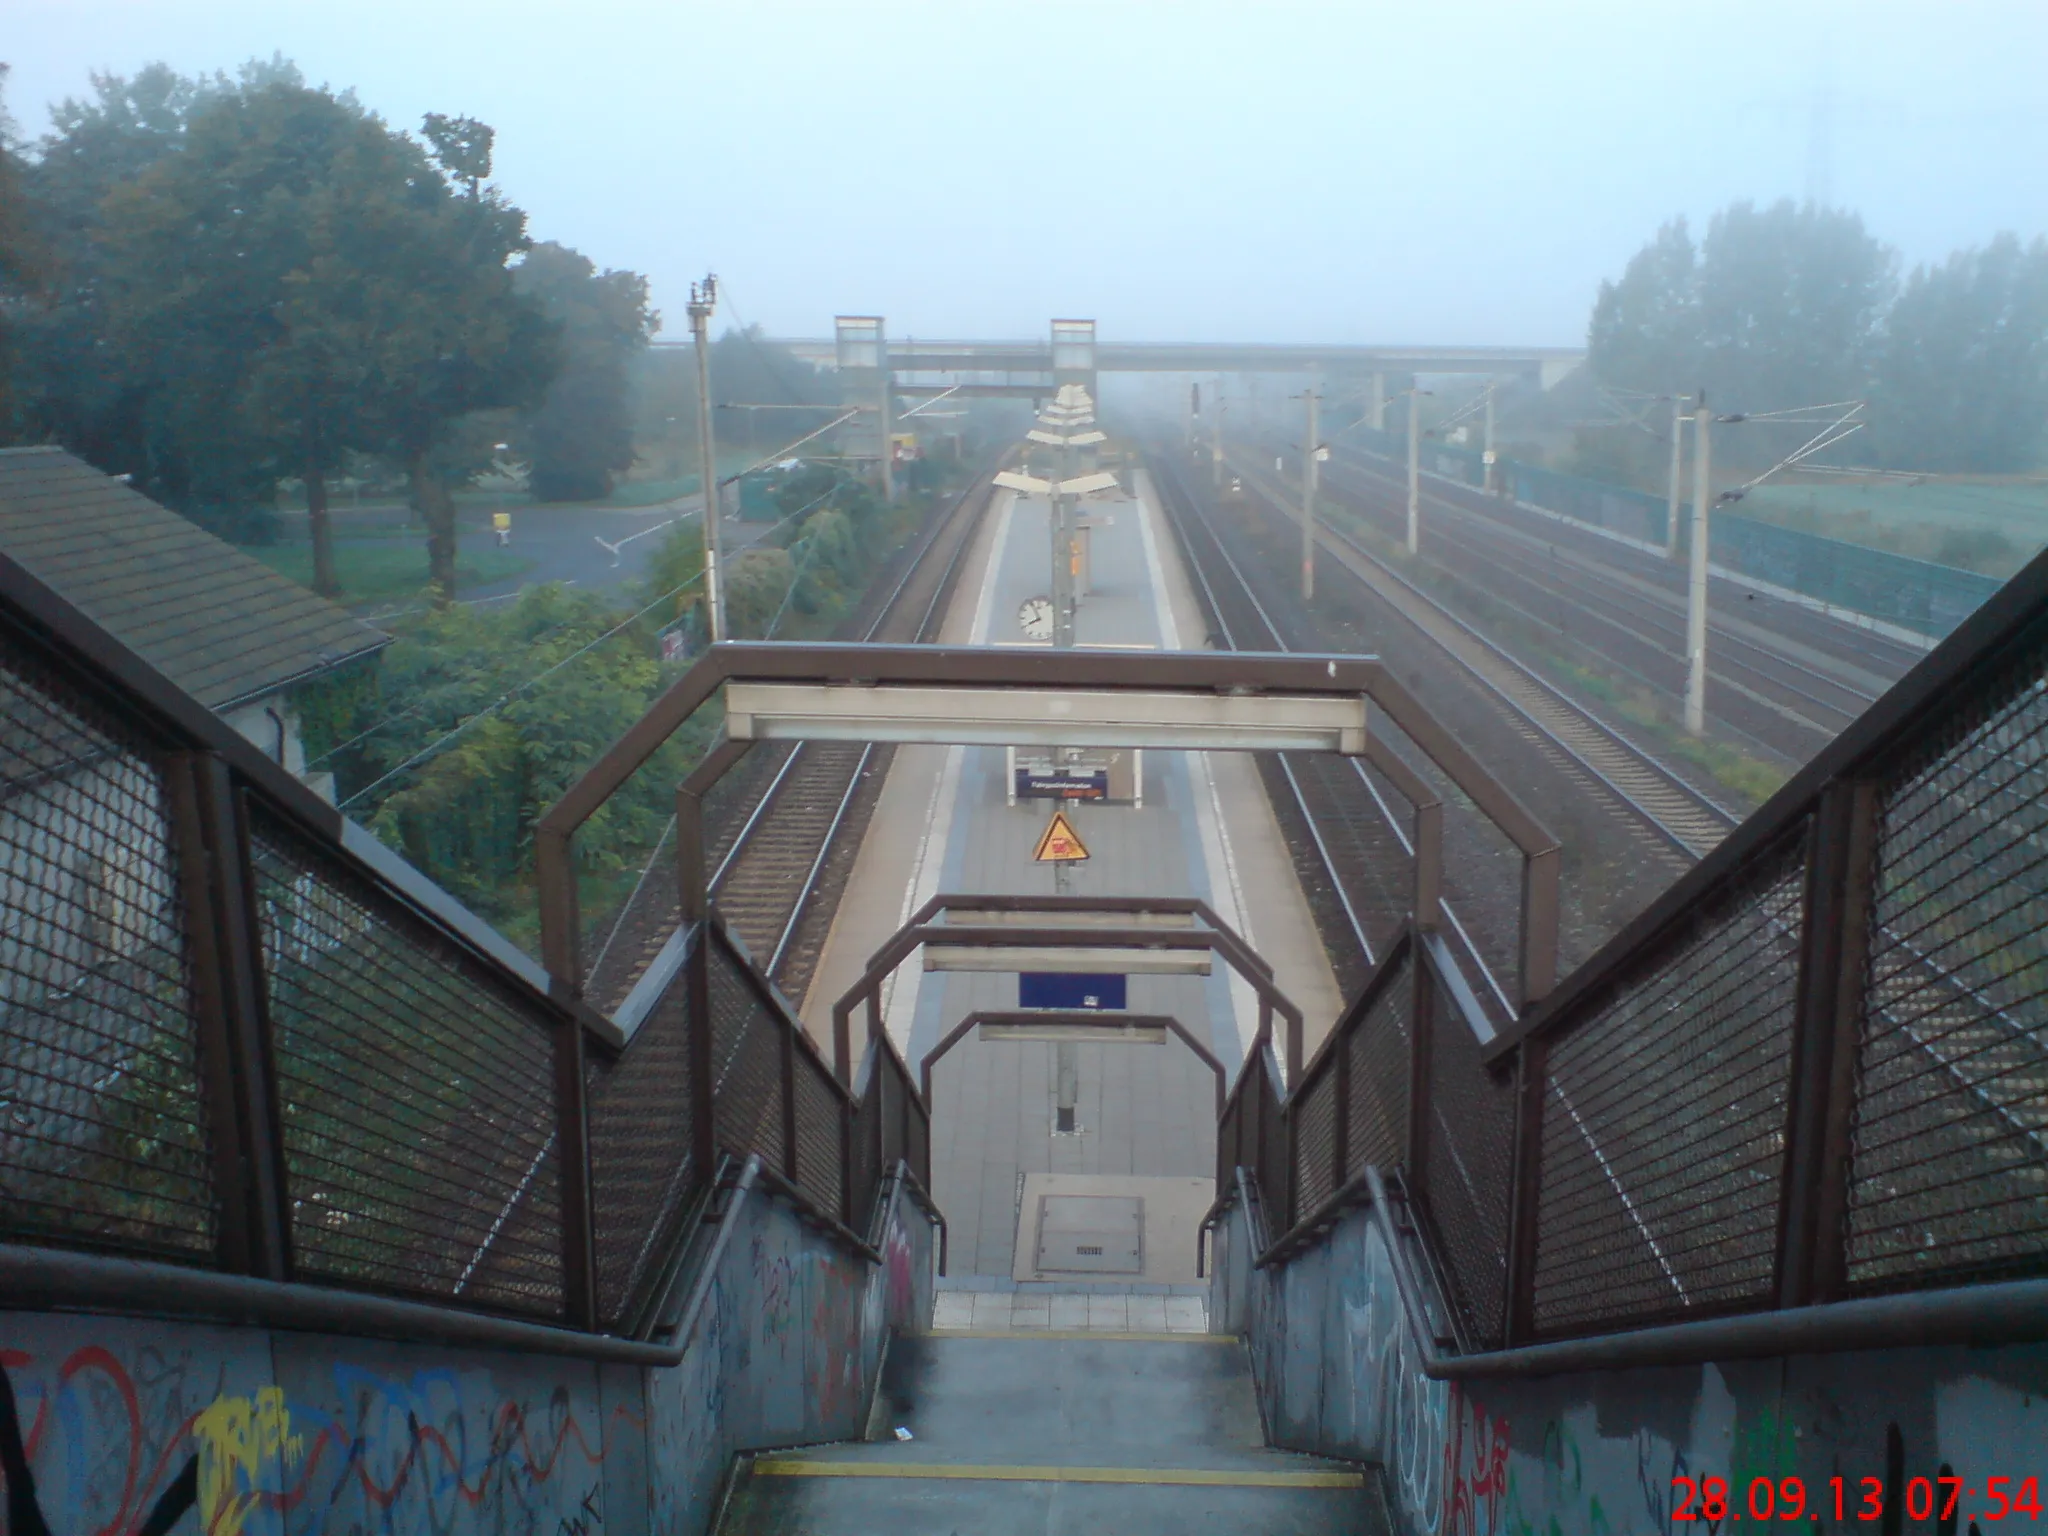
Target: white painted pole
[
  {"x": 702, "y": 301},
  {"x": 1414, "y": 471},
  {"x": 1677, "y": 477},
  {"x": 1486, "y": 459},
  {"x": 1308, "y": 500},
  {"x": 1696, "y": 585}
]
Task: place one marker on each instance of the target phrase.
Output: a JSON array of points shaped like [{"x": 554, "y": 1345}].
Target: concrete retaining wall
[
  {"x": 133, "y": 1427},
  {"x": 1339, "y": 1373}
]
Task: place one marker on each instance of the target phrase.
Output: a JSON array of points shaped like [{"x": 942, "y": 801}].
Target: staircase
[{"x": 1055, "y": 1433}]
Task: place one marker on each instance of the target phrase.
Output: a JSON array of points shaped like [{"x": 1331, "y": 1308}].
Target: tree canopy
[
  {"x": 249, "y": 279},
  {"x": 1775, "y": 307},
  {"x": 1796, "y": 305},
  {"x": 581, "y": 435},
  {"x": 1962, "y": 374}
]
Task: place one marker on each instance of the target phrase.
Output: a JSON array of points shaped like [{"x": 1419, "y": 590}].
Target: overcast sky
[{"x": 1352, "y": 170}]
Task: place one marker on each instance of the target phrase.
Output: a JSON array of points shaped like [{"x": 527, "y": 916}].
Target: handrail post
[
  {"x": 1429, "y": 865},
  {"x": 572, "y": 1149},
  {"x": 1340, "y": 1137},
  {"x": 1540, "y": 899},
  {"x": 1421, "y": 1024},
  {"x": 789, "y": 1137},
  {"x": 216, "y": 883},
  {"x": 1525, "y": 1190},
  {"x": 1834, "y": 938},
  {"x": 554, "y": 873}
]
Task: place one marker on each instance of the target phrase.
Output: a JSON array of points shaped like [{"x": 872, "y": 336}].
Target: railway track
[
  {"x": 1548, "y": 720},
  {"x": 1632, "y": 620},
  {"x": 787, "y": 824},
  {"x": 1359, "y": 875}
]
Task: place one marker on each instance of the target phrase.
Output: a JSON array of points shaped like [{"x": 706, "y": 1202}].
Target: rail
[
  {"x": 238, "y": 1035},
  {"x": 1814, "y": 1071}
]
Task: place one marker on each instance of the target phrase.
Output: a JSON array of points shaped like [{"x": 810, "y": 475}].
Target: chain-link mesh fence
[
  {"x": 1951, "y": 1131},
  {"x": 1378, "y": 1047},
  {"x": 643, "y": 1169},
  {"x": 1314, "y": 1113},
  {"x": 1664, "y": 1120},
  {"x": 1467, "y": 1154},
  {"x": 746, "y": 1058},
  {"x": 416, "y": 1096},
  {"x": 820, "y": 1130},
  {"x": 1919, "y": 595},
  {"x": 103, "y": 1141}
]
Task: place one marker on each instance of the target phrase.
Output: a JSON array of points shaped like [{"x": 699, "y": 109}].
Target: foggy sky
[{"x": 1260, "y": 170}]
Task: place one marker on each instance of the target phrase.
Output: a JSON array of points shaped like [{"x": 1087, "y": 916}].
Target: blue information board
[{"x": 1069, "y": 991}]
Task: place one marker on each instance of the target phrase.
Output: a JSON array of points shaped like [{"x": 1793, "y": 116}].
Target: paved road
[{"x": 605, "y": 548}]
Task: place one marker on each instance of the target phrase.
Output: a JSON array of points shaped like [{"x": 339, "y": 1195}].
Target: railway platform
[{"x": 946, "y": 821}]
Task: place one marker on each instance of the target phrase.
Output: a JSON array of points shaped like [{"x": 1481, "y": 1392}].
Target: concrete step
[{"x": 1057, "y": 1432}]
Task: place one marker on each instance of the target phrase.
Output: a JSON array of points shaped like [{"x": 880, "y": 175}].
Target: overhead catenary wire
[{"x": 516, "y": 690}]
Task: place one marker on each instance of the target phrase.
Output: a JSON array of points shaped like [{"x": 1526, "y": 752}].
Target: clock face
[{"x": 1034, "y": 617}]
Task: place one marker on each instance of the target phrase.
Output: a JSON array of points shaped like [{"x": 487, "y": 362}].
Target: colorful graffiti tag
[{"x": 122, "y": 1437}]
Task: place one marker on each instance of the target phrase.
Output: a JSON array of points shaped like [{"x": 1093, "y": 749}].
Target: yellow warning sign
[{"x": 1059, "y": 844}]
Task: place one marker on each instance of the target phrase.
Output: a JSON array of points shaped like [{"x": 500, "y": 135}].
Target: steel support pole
[
  {"x": 1487, "y": 457},
  {"x": 1525, "y": 1191},
  {"x": 1671, "y": 499},
  {"x": 885, "y": 407},
  {"x": 703, "y": 300},
  {"x": 1414, "y": 471},
  {"x": 1834, "y": 946},
  {"x": 237, "y": 1079},
  {"x": 1309, "y": 448},
  {"x": 1421, "y": 1029},
  {"x": 1216, "y": 439},
  {"x": 1696, "y": 578}
]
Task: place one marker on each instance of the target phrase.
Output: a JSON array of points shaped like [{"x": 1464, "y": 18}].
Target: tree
[
  {"x": 20, "y": 268},
  {"x": 258, "y": 277},
  {"x": 1645, "y": 331},
  {"x": 70, "y": 388},
  {"x": 582, "y": 433},
  {"x": 230, "y": 288},
  {"x": 1790, "y": 300},
  {"x": 747, "y": 368},
  {"x": 453, "y": 336},
  {"x": 1777, "y": 307},
  {"x": 1962, "y": 376}
]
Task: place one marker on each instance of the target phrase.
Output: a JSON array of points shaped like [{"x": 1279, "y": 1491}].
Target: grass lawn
[
  {"x": 387, "y": 570},
  {"x": 1979, "y": 524}
]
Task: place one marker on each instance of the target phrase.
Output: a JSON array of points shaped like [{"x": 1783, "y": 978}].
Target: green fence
[{"x": 1916, "y": 595}]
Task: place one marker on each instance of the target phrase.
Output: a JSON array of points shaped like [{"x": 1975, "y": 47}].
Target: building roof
[{"x": 221, "y": 624}]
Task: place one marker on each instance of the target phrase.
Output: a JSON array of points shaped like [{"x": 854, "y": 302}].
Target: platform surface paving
[{"x": 1058, "y": 1435}]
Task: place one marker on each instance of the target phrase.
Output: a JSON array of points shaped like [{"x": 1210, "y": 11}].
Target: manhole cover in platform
[{"x": 1091, "y": 1235}]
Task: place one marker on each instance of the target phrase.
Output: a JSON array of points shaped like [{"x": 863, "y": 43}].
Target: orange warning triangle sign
[{"x": 1059, "y": 844}]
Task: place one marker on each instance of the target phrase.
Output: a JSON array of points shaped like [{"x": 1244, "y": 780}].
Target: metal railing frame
[
  {"x": 1226, "y": 672},
  {"x": 1830, "y": 811},
  {"x": 214, "y": 780}
]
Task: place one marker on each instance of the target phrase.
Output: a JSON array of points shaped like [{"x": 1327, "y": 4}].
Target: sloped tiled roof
[{"x": 221, "y": 624}]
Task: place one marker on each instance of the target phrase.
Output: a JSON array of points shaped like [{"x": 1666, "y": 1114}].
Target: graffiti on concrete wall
[
  {"x": 1601, "y": 1454},
  {"x": 126, "y": 1427},
  {"x": 129, "y": 1427}
]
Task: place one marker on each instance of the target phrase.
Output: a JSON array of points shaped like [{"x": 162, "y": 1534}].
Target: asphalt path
[{"x": 602, "y": 548}]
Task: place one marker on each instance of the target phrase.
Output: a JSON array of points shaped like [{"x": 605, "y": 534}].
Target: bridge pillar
[
  {"x": 1073, "y": 355},
  {"x": 866, "y": 382}
]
